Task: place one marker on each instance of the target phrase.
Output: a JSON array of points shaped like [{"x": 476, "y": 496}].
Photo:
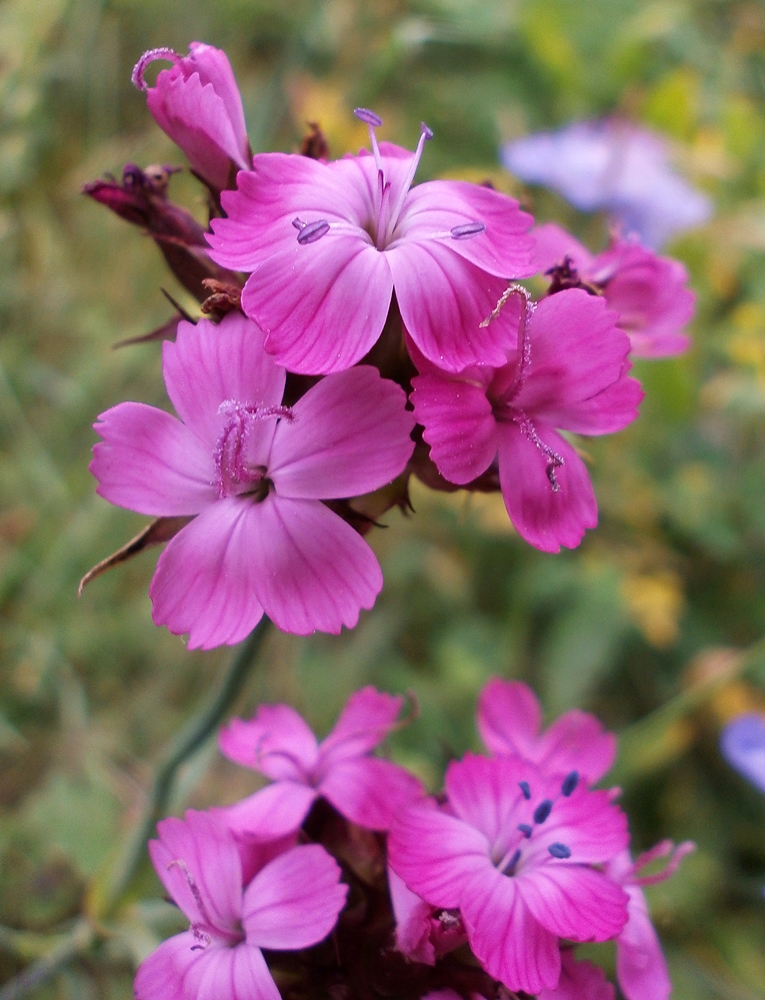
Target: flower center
[
  {"x": 511, "y": 855},
  {"x": 235, "y": 472}
]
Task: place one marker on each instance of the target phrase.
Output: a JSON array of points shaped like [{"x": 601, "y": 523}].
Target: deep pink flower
[
  {"x": 509, "y": 719},
  {"x": 514, "y": 856},
  {"x": 327, "y": 243},
  {"x": 278, "y": 743},
  {"x": 292, "y": 902},
  {"x": 255, "y": 474},
  {"x": 579, "y": 981},
  {"x": 650, "y": 293},
  {"x": 197, "y": 103},
  {"x": 640, "y": 965},
  {"x": 423, "y": 932},
  {"x": 568, "y": 371}
]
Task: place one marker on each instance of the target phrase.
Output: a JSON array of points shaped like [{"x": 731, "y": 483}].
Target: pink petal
[
  {"x": 275, "y": 811},
  {"x": 434, "y": 853},
  {"x": 277, "y": 742},
  {"x": 205, "y": 578},
  {"x": 149, "y": 462},
  {"x": 577, "y": 350},
  {"x": 350, "y": 435},
  {"x": 504, "y": 936},
  {"x": 198, "y": 863},
  {"x": 484, "y": 792},
  {"x": 588, "y": 823},
  {"x": 209, "y": 364},
  {"x": 553, "y": 243},
  {"x": 368, "y": 791},
  {"x": 503, "y": 249},
  {"x": 314, "y": 572},
  {"x": 574, "y": 902},
  {"x": 508, "y": 717},
  {"x": 161, "y": 975},
  {"x": 640, "y": 965},
  {"x": 294, "y": 902},
  {"x": 369, "y": 715},
  {"x": 608, "y": 411},
  {"x": 224, "y": 973},
  {"x": 412, "y": 916},
  {"x": 443, "y": 299},
  {"x": 324, "y": 304},
  {"x": 458, "y": 423},
  {"x": 577, "y": 741},
  {"x": 579, "y": 981},
  {"x": 545, "y": 518}
]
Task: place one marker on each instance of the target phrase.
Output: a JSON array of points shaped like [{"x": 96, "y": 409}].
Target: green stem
[
  {"x": 191, "y": 737},
  {"x": 77, "y": 941}
]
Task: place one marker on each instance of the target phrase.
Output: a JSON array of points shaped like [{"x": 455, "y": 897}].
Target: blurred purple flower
[
  {"x": 742, "y": 744},
  {"x": 614, "y": 165}
]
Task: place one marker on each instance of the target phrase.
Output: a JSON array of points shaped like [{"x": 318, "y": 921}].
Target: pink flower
[
  {"x": 278, "y": 743},
  {"x": 292, "y": 902},
  {"x": 640, "y": 965},
  {"x": 327, "y": 243},
  {"x": 579, "y": 981},
  {"x": 568, "y": 371},
  {"x": 514, "y": 856},
  {"x": 423, "y": 932},
  {"x": 509, "y": 719},
  {"x": 254, "y": 473},
  {"x": 197, "y": 103},
  {"x": 649, "y": 292}
]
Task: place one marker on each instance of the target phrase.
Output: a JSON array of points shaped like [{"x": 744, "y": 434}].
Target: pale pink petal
[
  {"x": 277, "y": 742},
  {"x": 209, "y": 364},
  {"x": 579, "y": 981},
  {"x": 608, "y": 411},
  {"x": 434, "y": 853},
  {"x": 443, "y": 299},
  {"x": 149, "y": 462},
  {"x": 504, "y": 936},
  {"x": 199, "y": 853},
  {"x": 314, "y": 572},
  {"x": 369, "y": 715},
  {"x": 434, "y": 209},
  {"x": 369, "y": 791},
  {"x": 205, "y": 578},
  {"x": 161, "y": 975},
  {"x": 349, "y": 435},
  {"x": 275, "y": 811},
  {"x": 545, "y": 518},
  {"x": 233, "y": 973},
  {"x": 640, "y": 965},
  {"x": 577, "y": 350},
  {"x": 509, "y": 717},
  {"x": 573, "y": 901},
  {"x": 553, "y": 243},
  {"x": 458, "y": 423},
  {"x": 323, "y": 305},
  {"x": 295, "y": 900},
  {"x": 485, "y": 793},
  {"x": 213, "y": 67},
  {"x": 577, "y": 742}
]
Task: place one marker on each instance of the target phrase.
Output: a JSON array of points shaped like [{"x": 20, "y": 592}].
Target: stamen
[
  {"x": 425, "y": 135},
  {"x": 466, "y": 230},
  {"x": 312, "y": 231},
  {"x": 559, "y": 850},
  {"x": 554, "y": 460},
  {"x": 525, "y": 829},
  {"x": 525, "y": 788},
  {"x": 299, "y": 224},
  {"x": 542, "y": 811},
  {"x": 368, "y": 117},
  {"x": 179, "y": 863},
  {"x": 569, "y": 783},
  {"x": 230, "y": 454},
  {"x": 149, "y": 57},
  {"x": 509, "y": 868}
]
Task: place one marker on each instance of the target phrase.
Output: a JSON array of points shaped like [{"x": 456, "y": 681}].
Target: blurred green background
[{"x": 644, "y": 624}]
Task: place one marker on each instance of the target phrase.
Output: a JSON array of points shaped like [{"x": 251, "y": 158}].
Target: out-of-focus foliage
[{"x": 648, "y": 616}]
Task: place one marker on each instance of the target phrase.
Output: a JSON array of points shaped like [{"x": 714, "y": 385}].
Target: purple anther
[
  {"x": 466, "y": 230},
  {"x": 525, "y": 788},
  {"x": 569, "y": 783},
  {"x": 525, "y": 829},
  {"x": 509, "y": 868},
  {"x": 368, "y": 117},
  {"x": 559, "y": 850},
  {"x": 427, "y": 132},
  {"x": 542, "y": 811},
  {"x": 313, "y": 231}
]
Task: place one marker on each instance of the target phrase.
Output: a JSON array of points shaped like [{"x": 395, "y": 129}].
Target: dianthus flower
[
  {"x": 197, "y": 103},
  {"x": 650, "y": 293},
  {"x": 327, "y": 244},
  {"x": 513, "y": 854},
  {"x": 568, "y": 371},
  {"x": 254, "y": 473},
  {"x": 278, "y": 743},
  {"x": 291, "y": 903},
  {"x": 509, "y": 719}
]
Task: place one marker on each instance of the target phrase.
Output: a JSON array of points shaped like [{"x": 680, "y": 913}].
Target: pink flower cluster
[
  {"x": 490, "y": 884},
  {"x": 359, "y": 330}
]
